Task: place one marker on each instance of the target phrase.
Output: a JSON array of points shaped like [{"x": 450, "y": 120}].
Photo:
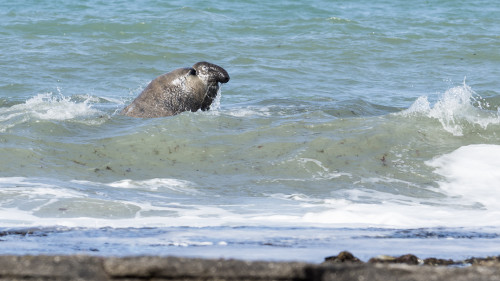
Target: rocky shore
[{"x": 344, "y": 266}]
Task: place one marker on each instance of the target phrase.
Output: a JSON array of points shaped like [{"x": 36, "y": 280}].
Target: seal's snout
[
  {"x": 224, "y": 77},
  {"x": 211, "y": 72}
]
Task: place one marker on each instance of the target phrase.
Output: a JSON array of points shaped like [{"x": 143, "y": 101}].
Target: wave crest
[
  {"x": 455, "y": 109},
  {"x": 47, "y": 106}
]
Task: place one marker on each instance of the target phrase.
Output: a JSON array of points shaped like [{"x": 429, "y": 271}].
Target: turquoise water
[{"x": 341, "y": 120}]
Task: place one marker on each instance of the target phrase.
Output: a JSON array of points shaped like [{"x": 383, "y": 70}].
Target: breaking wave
[{"x": 456, "y": 109}]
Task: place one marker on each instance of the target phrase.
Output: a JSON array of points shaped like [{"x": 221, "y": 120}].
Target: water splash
[
  {"x": 47, "y": 106},
  {"x": 215, "y": 106},
  {"x": 455, "y": 109},
  {"x": 57, "y": 107}
]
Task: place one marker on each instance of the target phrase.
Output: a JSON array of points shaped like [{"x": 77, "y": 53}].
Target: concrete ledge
[
  {"x": 52, "y": 268},
  {"x": 172, "y": 268},
  {"x": 201, "y": 269}
]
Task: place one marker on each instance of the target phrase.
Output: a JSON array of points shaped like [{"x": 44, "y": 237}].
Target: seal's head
[{"x": 211, "y": 73}]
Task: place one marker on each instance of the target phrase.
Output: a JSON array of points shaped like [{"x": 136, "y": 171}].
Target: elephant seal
[{"x": 180, "y": 90}]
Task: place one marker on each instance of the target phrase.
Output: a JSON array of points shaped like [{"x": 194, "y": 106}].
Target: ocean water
[{"x": 369, "y": 127}]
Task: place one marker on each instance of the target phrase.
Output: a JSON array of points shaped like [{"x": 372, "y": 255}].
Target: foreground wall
[{"x": 172, "y": 268}]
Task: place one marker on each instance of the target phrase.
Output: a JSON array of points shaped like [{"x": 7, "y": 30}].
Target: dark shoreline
[{"x": 340, "y": 267}]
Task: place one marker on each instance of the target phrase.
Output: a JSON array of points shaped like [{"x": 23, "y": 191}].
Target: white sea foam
[
  {"x": 51, "y": 107},
  {"x": 20, "y": 186},
  {"x": 454, "y": 110},
  {"x": 467, "y": 196},
  {"x": 250, "y": 111},
  {"x": 47, "y": 106},
  {"x": 471, "y": 174},
  {"x": 156, "y": 184}
]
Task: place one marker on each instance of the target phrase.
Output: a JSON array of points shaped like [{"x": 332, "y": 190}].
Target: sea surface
[{"x": 372, "y": 127}]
